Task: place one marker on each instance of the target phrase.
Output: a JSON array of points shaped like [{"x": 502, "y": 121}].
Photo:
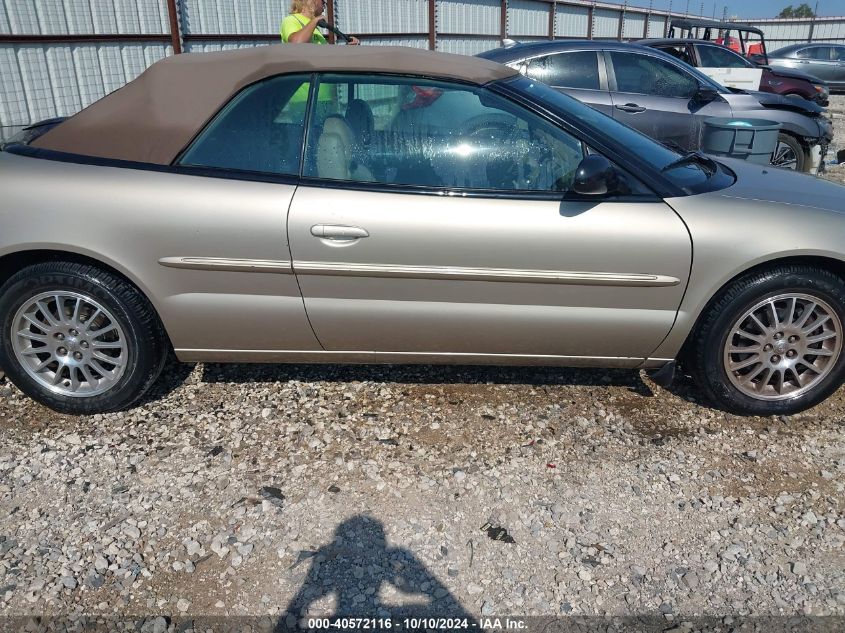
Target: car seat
[
  {"x": 335, "y": 157},
  {"x": 359, "y": 117}
]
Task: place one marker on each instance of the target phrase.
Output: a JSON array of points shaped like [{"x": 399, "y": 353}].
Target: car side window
[
  {"x": 646, "y": 74},
  {"x": 576, "y": 69},
  {"x": 679, "y": 51},
  {"x": 259, "y": 130},
  {"x": 404, "y": 131},
  {"x": 822, "y": 53},
  {"x": 715, "y": 57},
  {"x": 839, "y": 53}
]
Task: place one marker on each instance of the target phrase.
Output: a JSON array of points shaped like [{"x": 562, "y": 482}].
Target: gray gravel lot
[{"x": 264, "y": 490}]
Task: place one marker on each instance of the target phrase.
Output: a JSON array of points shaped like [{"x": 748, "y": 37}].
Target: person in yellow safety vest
[{"x": 300, "y": 27}]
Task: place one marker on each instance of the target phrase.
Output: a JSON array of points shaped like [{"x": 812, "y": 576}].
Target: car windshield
[{"x": 689, "y": 175}]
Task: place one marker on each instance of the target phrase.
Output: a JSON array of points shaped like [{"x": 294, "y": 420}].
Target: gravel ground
[{"x": 265, "y": 490}]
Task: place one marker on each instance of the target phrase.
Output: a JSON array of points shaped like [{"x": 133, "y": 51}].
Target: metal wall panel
[
  {"x": 526, "y": 17},
  {"x": 5, "y": 26},
  {"x": 382, "y": 16},
  {"x": 225, "y": 17},
  {"x": 572, "y": 21},
  {"x": 466, "y": 46},
  {"x": 83, "y": 17},
  {"x": 480, "y": 17},
  {"x": 606, "y": 23},
  {"x": 22, "y": 16},
  {"x": 634, "y": 26},
  {"x": 413, "y": 42},
  {"x": 51, "y": 16},
  {"x": 41, "y": 82},
  {"x": 794, "y": 32},
  {"x": 657, "y": 26},
  {"x": 783, "y": 33},
  {"x": 198, "y": 46},
  {"x": 830, "y": 30}
]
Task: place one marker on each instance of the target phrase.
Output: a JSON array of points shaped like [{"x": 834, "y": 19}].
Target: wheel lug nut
[
  {"x": 778, "y": 336},
  {"x": 790, "y": 353},
  {"x": 74, "y": 333},
  {"x": 793, "y": 339},
  {"x": 775, "y": 359},
  {"x": 768, "y": 347},
  {"x": 77, "y": 355},
  {"x": 84, "y": 345},
  {"x": 60, "y": 336},
  {"x": 61, "y": 351}
]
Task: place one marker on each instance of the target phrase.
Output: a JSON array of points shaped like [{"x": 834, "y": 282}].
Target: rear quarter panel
[{"x": 130, "y": 219}]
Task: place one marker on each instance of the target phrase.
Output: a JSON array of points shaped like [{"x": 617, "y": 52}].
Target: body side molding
[
  {"x": 232, "y": 265},
  {"x": 484, "y": 274}
]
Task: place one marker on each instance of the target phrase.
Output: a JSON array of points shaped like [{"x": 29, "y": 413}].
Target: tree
[{"x": 803, "y": 10}]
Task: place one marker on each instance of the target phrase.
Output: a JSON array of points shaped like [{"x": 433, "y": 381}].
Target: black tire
[
  {"x": 802, "y": 161},
  {"x": 146, "y": 341},
  {"x": 706, "y": 347}
]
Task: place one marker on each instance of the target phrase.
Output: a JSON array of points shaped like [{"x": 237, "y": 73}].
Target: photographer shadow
[{"x": 357, "y": 568}]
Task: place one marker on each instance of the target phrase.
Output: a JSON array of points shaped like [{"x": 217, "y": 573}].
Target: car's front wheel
[
  {"x": 790, "y": 154},
  {"x": 79, "y": 339},
  {"x": 772, "y": 343}
]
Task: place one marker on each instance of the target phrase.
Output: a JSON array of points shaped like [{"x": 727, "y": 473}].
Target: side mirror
[
  {"x": 595, "y": 176},
  {"x": 706, "y": 94}
]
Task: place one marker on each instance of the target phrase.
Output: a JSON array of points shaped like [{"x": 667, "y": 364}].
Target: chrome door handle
[
  {"x": 631, "y": 107},
  {"x": 338, "y": 232}
]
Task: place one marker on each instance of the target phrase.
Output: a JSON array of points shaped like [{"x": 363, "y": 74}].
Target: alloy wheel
[
  {"x": 69, "y": 343},
  {"x": 783, "y": 347},
  {"x": 785, "y": 157}
]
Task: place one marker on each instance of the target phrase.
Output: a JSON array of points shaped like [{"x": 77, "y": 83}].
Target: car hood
[
  {"x": 783, "y": 187},
  {"x": 795, "y": 74},
  {"x": 779, "y": 102}
]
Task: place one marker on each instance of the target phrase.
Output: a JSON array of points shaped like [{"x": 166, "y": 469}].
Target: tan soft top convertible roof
[{"x": 153, "y": 118}]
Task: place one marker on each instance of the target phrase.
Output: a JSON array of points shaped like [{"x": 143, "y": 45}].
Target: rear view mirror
[{"x": 595, "y": 176}]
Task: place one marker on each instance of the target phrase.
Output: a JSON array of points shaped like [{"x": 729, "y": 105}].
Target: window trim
[{"x": 461, "y": 192}]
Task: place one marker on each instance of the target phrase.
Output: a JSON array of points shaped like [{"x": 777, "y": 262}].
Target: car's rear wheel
[
  {"x": 789, "y": 154},
  {"x": 79, "y": 339},
  {"x": 772, "y": 344}
]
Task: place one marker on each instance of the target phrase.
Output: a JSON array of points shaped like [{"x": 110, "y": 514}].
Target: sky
[{"x": 740, "y": 8}]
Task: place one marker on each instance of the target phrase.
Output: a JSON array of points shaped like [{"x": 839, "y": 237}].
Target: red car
[{"x": 707, "y": 54}]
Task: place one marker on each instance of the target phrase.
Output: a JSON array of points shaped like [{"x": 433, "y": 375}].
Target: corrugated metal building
[
  {"x": 780, "y": 32},
  {"x": 58, "y": 56}
]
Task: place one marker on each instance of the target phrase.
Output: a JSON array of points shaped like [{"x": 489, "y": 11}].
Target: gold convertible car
[{"x": 308, "y": 204}]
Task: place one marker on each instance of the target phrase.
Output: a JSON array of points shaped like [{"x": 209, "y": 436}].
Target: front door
[
  {"x": 656, "y": 97},
  {"x": 435, "y": 220}
]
